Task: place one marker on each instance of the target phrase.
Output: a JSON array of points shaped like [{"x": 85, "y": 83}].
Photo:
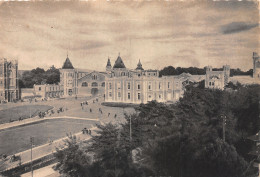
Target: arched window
[
  {"x": 84, "y": 84},
  {"x": 94, "y": 77},
  {"x": 103, "y": 84},
  {"x": 94, "y": 84}
]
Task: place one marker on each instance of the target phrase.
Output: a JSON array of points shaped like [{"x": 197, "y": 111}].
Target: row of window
[
  {"x": 93, "y": 84},
  {"x": 138, "y": 96},
  {"x": 139, "y": 86}
]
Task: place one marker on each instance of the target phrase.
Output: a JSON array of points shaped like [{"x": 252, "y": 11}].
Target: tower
[
  {"x": 108, "y": 67},
  {"x": 9, "y": 89},
  {"x": 256, "y": 66},
  {"x": 68, "y": 78},
  {"x": 226, "y": 70}
]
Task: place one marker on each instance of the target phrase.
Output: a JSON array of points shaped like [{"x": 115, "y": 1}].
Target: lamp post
[
  {"x": 224, "y": 122},
  {"x": 32, "y": 141}
]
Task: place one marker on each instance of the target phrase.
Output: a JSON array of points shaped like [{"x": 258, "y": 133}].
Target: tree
[{"x": 72, "y": 160}]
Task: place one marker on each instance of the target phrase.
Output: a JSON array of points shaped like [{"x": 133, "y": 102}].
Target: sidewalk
[{"x": 43, "y": 172}]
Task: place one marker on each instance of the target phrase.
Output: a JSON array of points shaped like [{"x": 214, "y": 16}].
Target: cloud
[{"x": 236, "y": 27}]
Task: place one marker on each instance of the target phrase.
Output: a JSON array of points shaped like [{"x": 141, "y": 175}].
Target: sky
[{"x": 159, "y": 33}]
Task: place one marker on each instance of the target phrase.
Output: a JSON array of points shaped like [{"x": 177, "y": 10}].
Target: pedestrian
[
  {"x": 86, "y": 103},
  {"x": 115, "y": 115},
  {"x": 89, "y": 132},
  {"x": 101, "y": 112},
  {"x": 108, "y": 114},
  {"x": 83, "y": 131},
  {"x": 86, "y": 131},
  {"x": 90, "y": 110}
]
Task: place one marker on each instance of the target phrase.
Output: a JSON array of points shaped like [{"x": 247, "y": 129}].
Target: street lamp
[{"x": 32, "y": 142}]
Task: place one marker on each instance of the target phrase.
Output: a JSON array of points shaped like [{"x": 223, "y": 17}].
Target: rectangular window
[
  {"x": 149, "y": 87},
  {"x": 129, "y": 96},
  {"x": 128, "y": 86},
  {"x": 110, "y": 94},
  {"x": 168, "y": 85},
  {"x": 139, "y": 96},
  {"x": 119, "y": 94},
  {"x": 160, "y": 96},
  {"x": 159, "y": 85},
  {"x": 118, "y": 85},
  {"x": 209, "y": 83},
  {"x": 110, "y": 86},
  {"x": 40, "y": 88},
  {"x": 138, "y": 86}
]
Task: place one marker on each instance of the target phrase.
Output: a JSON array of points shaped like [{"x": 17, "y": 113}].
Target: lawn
[
  {"x": 24, "y": 112},
  {"x": 17, "y": 139}
]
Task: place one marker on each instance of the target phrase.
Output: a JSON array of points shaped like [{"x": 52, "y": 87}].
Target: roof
[
  {"x": 67, "y": 64},
  {"x": 119, "y": 63}
]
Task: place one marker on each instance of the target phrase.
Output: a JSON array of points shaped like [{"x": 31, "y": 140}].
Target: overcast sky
[{"x": 158, "y": 33}]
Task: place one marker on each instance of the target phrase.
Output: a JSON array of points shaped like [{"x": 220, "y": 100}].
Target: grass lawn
[
  {"x": 25, "y": 111},
  {"x": 17, "y": 139}
]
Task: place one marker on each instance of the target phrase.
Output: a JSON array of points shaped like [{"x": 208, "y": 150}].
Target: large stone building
[
  {"x": 9, "y": 89},
  {"x": 139, "y": 85},
  {"x": 217, "y": 79},
  {"x": 256, "y": 66},
  {"x": 77, "y": 82}
]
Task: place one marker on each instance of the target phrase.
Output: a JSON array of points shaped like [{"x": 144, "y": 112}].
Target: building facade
[
  {"x": 139, "y": 85},
  {"x": 48, "y": 91},
  {"x": 217, "y": 79},
  {"x": 9, "y": 88},
  {"x": 256, "y": 66},
  {"x": 78, "y": 82}
]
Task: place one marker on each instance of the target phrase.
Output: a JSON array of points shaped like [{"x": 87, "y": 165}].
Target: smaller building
[
  {"x": 217, "y": 79},
  {"x": 48, "y": 91}
]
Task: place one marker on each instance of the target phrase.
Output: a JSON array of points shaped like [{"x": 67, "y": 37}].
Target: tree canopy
[
  {"x": 39, "y": 76},
  {"x": 183, "y": 139}
]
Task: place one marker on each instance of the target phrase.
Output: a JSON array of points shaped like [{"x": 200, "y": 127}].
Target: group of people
[
  {"x": 91, "y": 110},
  {"x": 86, "y": 131}
]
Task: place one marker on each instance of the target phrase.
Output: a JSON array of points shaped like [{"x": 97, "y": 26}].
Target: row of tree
[
  {"x": 178, "y": 140},
  {"x": 170, "y": 70},
  {"x": 39, "y": 76}
]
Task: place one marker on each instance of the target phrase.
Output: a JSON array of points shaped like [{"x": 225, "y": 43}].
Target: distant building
[
  {"x": 217, "y": 79},
  {"x": 9, "y": 89},
  {"x": 48, "y": 91},
  {"x": 256, "y": 66},
  {"x": 139, "y": 85}
]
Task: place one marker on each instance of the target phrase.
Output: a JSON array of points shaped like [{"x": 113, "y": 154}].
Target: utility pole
[
  {"x": 31, "y": 140},
  {"x": 130, "y": 128},
  {"x": 224, "y": 122}
]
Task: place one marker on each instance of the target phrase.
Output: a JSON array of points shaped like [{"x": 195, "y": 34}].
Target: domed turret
[
  {"x": 139, "y": 66},
  {"x": 67, "y": 64},
  {"x": 119, "y": 63}
]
